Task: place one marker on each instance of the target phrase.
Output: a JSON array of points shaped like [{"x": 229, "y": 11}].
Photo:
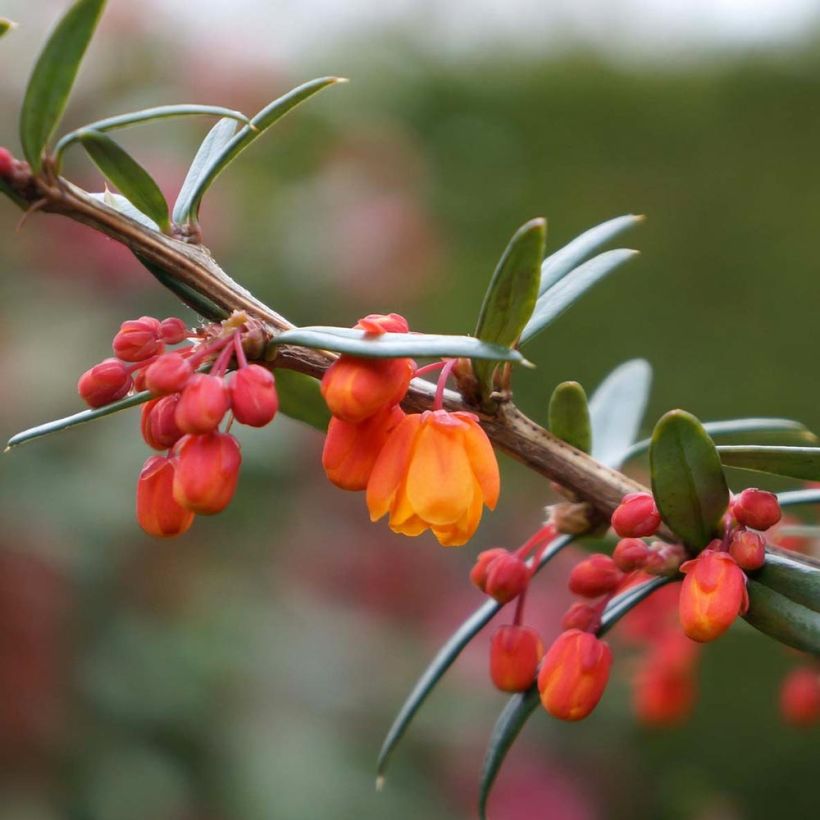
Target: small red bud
[
  {"x": 6, "y": 163},
  {"x": 253, "y": 396},
  {"x": 756, "y": 509},
  {"x": 748, "y": 549},
  {"x": 665, "y": 559},
  {"x": 157, "y": 511},
  {"x": 507, "y": 578},
  {"x": 168, "y": 374},
  {"x": 515, "y": 652},
  {"x": 206, "y": 472},
  {"x": 158, "y": 423},
  {"x": 138, "y": 339},
  {"x": 595, "y": 576},
  {"x": 581, "y": 616},
  {"x": 172, "y": 331},
  {"x": 203, "y": 403},
  {"x": 379, "y": 323},
  {"x": 637, "y": 516},
  {"x": 630, "y": 554},
  {"x": 478, "y": 574},
  {"x": 800, "y": 696},
  {"x": 105, "y": 382}
]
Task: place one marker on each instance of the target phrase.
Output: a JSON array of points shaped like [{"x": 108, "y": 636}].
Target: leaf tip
[{"x": 380, "y": 783}]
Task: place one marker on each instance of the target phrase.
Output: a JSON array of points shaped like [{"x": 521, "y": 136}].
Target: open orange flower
[{"x": 436, "y": 471}]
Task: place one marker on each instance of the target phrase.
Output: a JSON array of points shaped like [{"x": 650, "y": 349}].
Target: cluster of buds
[
  {"x": 198, "y": 468},
  {"x": 434, "y": 470}
]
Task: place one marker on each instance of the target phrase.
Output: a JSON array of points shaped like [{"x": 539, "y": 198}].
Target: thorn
[
  {"x": 528, "y": 364},
  {"x": 8, "y": 447},
  {"x": 379, "y": 782}
]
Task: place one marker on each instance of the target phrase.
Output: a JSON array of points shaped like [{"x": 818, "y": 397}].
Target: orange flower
[
  {"x": 436, "y": 472},
  {"x": 574, "y": 674},
  {"x": 712, "y": 596}
]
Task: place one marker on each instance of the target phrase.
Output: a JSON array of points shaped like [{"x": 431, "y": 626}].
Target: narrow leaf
[
  {"x": 520, "y": 706},
  {"x": 794, "y": 430},
  {"x": 53, "y": 77},
  {"x": 147, "y": 115},
  {"x": 794, "y": 462},
  {"x": 120, "y": 204},
  {"x": 444, "y": 659},
  {"x": 797, "y": 579},
  {"x": 557, "y": 265},
  {"x": 300, "y": 398},
  {"x": 210, "y": 148},
  {"x": 616, "y": 411},
  {"x": 687, "y": 479},
  {"x": 359, "y": 343},
  {"x": 269, "y": 115},
  {"x": 512, "y": 292},
  {"x": 795, "y": 498},
  {"x": 567, "y": 291},
  {"x": 135, "y": 183},
  {"x": 569, "y": 416},
  {"x": 782, "y": 618}
]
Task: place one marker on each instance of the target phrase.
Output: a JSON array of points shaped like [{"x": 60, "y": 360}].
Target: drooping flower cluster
[
  {"x": 198, "y": 468},
  {"x": 433, "y": 470}
]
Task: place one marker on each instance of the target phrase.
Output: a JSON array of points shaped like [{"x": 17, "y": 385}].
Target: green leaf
[
  {"x": 569, "y": 416},
  {"x": 616, "y": 410},
  {"x": 6, "y": 26},
  {"x": 147, "y": 115},
  {"x": 135, "y": 183},
  {"x": 389, "y": 345},
  {"x": 798, "y": 580},
  {"x": 512, "y": 292},
  {"x": 53, "y": 76},
  {"x": 300, "y": 398},
  {"x": 120, "y": 204},
  {"x": 782, "y": 618},
  {"x": 794, "y": 498},
  {"x": 557, "y": 265},
  {"x": 445, "y": 658},
  {"x": 211, "y": 147},
  {"x": 78, "y": 418},
  {"x": 687, "y": 479},
  {"x": 188, "y": 211},
  {"x": 567, "y": 291},
  {"x": 520, "y": 706},
  {"x": 794, "y": 462}
]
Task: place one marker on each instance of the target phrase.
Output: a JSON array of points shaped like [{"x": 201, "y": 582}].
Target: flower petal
[
  {"x": 391, "y": 467},
  {"x": 482, "y": 460}
]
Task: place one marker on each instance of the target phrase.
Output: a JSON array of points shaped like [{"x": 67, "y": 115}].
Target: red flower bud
[
  {"x": 637, "y": 516},
  {"x": 630, "y": 554},
  {"x": 595, "y": 576},
  {"x": 105, "y": 382},
  {"x": 172, "y": 331},
  {"x": 351, "y": 450},
  {"x": 581, "y": 616},
  {"x": 138, "y": 339},
  {"x": 158, "y": 423},
  {"x": 206, "y": 472},
  {"x": 713, "y": 594},
  {"x": 478, "y": 574},
  {"x": 574, "y": 674},
  {"x": 379, "y": 323},
  {"x": 253, "y": 396},
  {"x": 6, "y": 163},
  {"x": 507, "y": 578},
  {"x": 748, "y": 549},
  {"x": 515, "y": 652},
  {"x": 168, "y": 374},
  {"x": 800, "y": 696},
  {"x": 756, "y": 509},
  {"x": 158, "y": 513},
  {"x": 203, "y": 403}
]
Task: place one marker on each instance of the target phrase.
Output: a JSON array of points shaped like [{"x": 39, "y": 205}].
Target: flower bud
[
  {"x": 105, "y": 382},
  {"x": 158, "y": 513},
  {"x": 378, "y": 323},
  {"x": 748, "y": 549},
  {"x": 574, "y": 674},
  {"x": 637, "y": 516},
  {"x": 253, "y": 396},
  {"x": 800, "y": 696},
  {"x": 507, "y": 578},
  {"x": 664, "y": 559},
  {"x": 756, "y": 509},
  {"x": 158, "y": 423},
  {"x": 595, "y": 576},
  {"x": 515, "y": 652},
  {"x": 6, "y": 163},
  {"x": 351, "y": 450},
  {"x": 713, "y": 594},
  {"x": 168, "y": 374},
  {"x": 478, "y": 574},
  {"x": 581, "y": 616},
  {"x": 138, "y": 339},
  {"x": 630, "y": 554},
  {"x": 172, "y": 331},
  {"x": 203, "y": 403},
  {"x": 206, "y": 472}
]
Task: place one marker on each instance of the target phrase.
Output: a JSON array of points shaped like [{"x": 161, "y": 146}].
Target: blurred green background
[{"x": 249, "y": 669}]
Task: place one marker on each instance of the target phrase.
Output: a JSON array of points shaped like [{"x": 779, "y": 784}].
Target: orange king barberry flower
[
  {"x": 713, "y": 594},
  {"x": 436, "y": 471}
]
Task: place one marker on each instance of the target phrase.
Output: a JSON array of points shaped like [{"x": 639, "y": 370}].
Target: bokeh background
[{"x": 249, "y": 669}]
